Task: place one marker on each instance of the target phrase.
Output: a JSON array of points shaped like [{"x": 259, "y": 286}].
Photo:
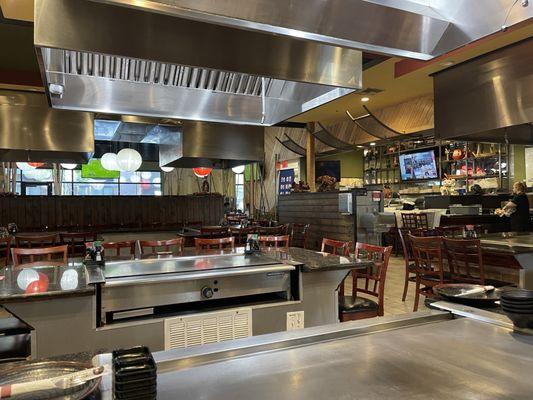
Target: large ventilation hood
[
  {"x": 489, "y": 98},
  {"x": 187, "y": 144},
  {"x": 121, "y": 60},
  {"x": 32, "y": 131}
]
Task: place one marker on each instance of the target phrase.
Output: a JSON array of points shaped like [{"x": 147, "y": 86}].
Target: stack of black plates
[
  {"x": 135, "y": 374},
  {"x": 518, "y": 306}
]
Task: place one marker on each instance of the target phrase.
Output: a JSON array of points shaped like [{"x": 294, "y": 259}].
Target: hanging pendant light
[
  {"x": 238, "y": 169},
  {"x": 202, "y": 172},
  {"x": 109, "y": 161},
  {"x": 24, "y": 166},
  {"x": 36, "y": 164},
  {"x": 129, "y": 160},
  {"x": 167, "y": 169},
  {"x": 69, "y": 166}
]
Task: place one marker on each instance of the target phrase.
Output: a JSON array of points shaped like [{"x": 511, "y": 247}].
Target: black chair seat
[{"x": 347, "y": 304}]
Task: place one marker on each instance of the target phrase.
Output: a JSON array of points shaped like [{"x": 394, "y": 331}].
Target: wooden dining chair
[
  {"x": 272, "y": 230},
  {"x": 452, "y": 231},
  {"x": 299, "y": 234},
  {"x": 5, "y": 250},
  {"x": 429, "y": 266},
  {"x": 42, "y": 253},
  {"x": 278, "y": 242},
  {"x": 214, "y": 231},
  {"x": 241, "y": 234},
  {"x": 215, "y": 243},
  {"x": 36, "y": 240},
  {"x": 336, "y": 247},
  {"x": 465, "y": 260},
  {"x": 166, "y": 245},
  {"x": 129, "y": 245},
  {"x": 76, "y": 241},
  {"x": 354, "y": 307}
]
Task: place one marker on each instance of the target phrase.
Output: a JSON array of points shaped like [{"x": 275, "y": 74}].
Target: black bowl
[
  {"x": 517, "y": 310},
  {"x": 524, "y": 321},
  {"x": 521, "y": 304},
  {"x": 518, "y": 295}
]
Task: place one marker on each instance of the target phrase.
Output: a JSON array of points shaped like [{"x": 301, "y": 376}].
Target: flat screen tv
[
  {"x": 418, "y": 165},
  {"x": 94, "y": 170}
]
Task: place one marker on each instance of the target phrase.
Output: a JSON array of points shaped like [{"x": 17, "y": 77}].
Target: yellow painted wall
[{"x": 351, "y": 163}]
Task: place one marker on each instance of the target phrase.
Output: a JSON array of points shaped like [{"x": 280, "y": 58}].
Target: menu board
[{"x": 286, "y": 178}]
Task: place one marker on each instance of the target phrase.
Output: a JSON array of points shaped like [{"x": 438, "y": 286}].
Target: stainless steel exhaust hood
[
  {"x": 113, "y": 59},
  {"x": 489, "y": 98},
  {"x": 32, "y": 131},
  {"x": 187, "y": 144}
]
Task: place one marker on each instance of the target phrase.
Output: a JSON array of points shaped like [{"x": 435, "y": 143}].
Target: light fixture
[
  {"x": 167, "y": 169},
  {"x": 360, "y": 146},
  {"x": 129, "y": 160},
  {"x": 447, "y": 63},
  {"x": 109, "y": 161},
  {"x": 146, "y": 175},
  {"x": 372, "y": 144},
  {"x": 24, "y": 166},
  {"x": 202, "y": 172},
  {"x": 135, "y": 178},
  {"x": 69, "y": 166},
  {"x": 238, "y": 169},
  {"x": 365, "y": 99}
]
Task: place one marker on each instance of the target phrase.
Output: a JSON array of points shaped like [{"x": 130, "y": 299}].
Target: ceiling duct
[
  {"x": 489, "y": 98},
  {"x": 32, "y": 131},
  {"x": 103, "y": 57}
]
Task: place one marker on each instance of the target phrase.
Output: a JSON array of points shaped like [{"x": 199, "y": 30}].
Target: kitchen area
[{"x": 266, "y": 200}]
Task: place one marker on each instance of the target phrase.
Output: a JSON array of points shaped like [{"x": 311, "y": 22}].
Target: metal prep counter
[{"x": 425, "y": 355}]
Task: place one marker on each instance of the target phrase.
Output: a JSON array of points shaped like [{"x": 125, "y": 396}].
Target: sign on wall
[{"x": 286, "y": 178}]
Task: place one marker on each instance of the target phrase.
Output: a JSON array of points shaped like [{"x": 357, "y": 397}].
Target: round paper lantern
[
  {"x": 69, "y": 280},
  {"x": 238, "y": 170},
  {"x": 202, "y": 172},
  {"x": 129, "y": 160},
  {"x": 69, "y": 166},
  {"x": 25, "y": 277},
  {"x": 167, "y": 169},
  {"x": 135, "y": 178},
  {"x": 36, "y": 164},
  {"x": 109, "y": 161},
  {"x": 24, "y": 166}
]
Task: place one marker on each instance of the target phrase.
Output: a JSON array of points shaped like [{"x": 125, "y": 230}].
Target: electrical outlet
[{"x": 295, "y": 320}]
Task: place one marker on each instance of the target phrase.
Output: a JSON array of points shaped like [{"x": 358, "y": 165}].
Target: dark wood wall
[
  {"x": 321, "y": 211},
  {"x": 109, "y": 212}
]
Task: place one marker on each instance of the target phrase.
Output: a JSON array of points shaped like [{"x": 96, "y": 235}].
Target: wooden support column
[{"x": 310, "y": 157}]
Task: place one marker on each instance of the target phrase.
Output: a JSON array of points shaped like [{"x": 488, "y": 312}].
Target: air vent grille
[
  {"x": 197, "y": 329},
  {"x": 153, "y": 72}
]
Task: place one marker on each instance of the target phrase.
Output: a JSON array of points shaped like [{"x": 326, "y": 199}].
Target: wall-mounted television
[
  {"x": 94, "y": 170},
  {"x": 418, "y": 165}
]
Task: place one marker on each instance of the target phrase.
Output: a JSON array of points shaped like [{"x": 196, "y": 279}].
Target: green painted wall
[
  {"x": 351, "y": 163},
  {"x": 519, "y": 162}
]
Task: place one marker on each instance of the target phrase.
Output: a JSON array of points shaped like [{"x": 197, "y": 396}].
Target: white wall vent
[{"x": 203, "y": 328}]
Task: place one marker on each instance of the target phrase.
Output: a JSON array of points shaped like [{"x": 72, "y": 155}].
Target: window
[
  {"x": 140, "y": 183},
  {"x": 239, "y": 191}
]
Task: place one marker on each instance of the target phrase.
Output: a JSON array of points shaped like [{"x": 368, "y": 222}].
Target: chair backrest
[
  {"x": 129, "y": 245},
  {"x": 427, "y": 253},
  {"x": 241, "y": 234},
  {"x": 336, "y": 247},
  {"x": 374, "y": 278},
  {"x": 5, "y": 249},
  {"x": 453, "y": 231},
  {"x": 279, "y": 242},
  {"x": 465, "y": 260},
  {"x": 215, "y": 243},
  {"x": 37, "y": 240},
  {"x": 166, "y": 245},
  {"x": 299, "y": 234},
  {"x": 407, "y": 249},
  {"x": 422, "y": 221},
  {"x": 214, "y": 231},
  {"x": 76, "y": 241},
  {"x": 43, "y": 253}
]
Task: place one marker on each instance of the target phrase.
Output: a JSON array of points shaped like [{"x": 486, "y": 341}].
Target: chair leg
[
  {"x": 417, "y": 295},
  {"x": 405, "y": 285}
]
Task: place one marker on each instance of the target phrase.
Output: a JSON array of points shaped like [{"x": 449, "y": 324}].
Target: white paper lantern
[
  {"x": 135, "y": 178},
  {"x": 109, "y": 161},
  {"x": 69, "y": 280},
  {"x": 24, "y": 166},
  {"x": 129, "y": 160},
  {"x": 146, "y": 175},
  {"x": 238, "y": 169},
  {"x": 69, "y": 166},
  {"x": 167, "y": 169},
  {"x": 25, "y": 277}
]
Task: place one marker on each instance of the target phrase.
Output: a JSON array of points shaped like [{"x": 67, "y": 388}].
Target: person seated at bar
[{"x": 517, "y": 209}]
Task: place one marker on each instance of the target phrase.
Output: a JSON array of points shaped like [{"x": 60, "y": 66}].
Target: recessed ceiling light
[
  {"x": 372, "y": 144},
  {"x": 365, "y": 99},
  {"x": 447, "y": 63}
]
